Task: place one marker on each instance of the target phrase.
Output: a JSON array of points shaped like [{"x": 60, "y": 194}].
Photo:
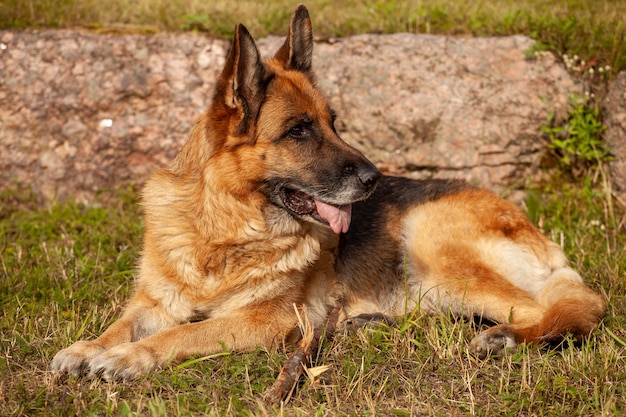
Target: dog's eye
[{"x": 298, "y": 132}]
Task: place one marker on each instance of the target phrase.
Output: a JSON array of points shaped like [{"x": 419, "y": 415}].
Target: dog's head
[{"x": 278, "y": 133}]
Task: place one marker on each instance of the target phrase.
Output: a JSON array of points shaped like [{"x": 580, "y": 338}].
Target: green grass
[
  {"x": 593, "y": 30},
  {"x": 67, "y": 270}
]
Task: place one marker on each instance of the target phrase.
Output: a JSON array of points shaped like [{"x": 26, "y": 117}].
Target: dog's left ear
[{"x": 297, "y": 51}]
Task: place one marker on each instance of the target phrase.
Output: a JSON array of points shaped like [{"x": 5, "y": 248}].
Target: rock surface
[
  {"x": 81, "y": 113},
  {"x": 614, "y": 107}
]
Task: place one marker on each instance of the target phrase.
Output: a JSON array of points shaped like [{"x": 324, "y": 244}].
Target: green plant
[{"x": 578, "y": 143}]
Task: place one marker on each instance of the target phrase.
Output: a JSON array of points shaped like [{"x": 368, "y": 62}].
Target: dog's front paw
[
  {"x": 125, "y": 361},
  {"x": 75, "y": 359},
  {"x": 364, "y": 320},
  {"x": 494, "y": 341}
]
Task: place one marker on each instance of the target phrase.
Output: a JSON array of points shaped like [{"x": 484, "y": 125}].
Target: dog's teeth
[{"x": 300, "y": 202}]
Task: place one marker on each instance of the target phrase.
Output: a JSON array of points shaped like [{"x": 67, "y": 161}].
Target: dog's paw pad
[{"x": 492, "y": 342}]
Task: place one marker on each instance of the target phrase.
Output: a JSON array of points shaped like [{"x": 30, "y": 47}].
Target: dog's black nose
[{"x": 369, "y": 176}]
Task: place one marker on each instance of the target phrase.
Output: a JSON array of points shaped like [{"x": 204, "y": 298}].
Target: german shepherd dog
[{"x": 267, "y": 211}]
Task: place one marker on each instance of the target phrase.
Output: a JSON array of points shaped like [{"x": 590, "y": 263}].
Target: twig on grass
[{"x": 302, "y": 357}]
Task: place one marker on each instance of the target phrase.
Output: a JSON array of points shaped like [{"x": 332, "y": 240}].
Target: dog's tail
[{"x": 571, "y": 308}]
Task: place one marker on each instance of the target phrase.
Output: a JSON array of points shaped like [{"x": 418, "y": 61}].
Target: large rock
[
  {"x": 445, "y": 106},
  {"x": 615, "y": 120},
  {"x": 81, "y": 113}
]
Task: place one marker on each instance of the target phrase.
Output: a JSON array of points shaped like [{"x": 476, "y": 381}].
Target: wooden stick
[{"x": 303, "y": 356}]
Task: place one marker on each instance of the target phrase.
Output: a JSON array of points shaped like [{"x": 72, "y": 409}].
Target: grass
[
  {"x": 593, "y": 30},
  {"x": 67, "y": 270}
]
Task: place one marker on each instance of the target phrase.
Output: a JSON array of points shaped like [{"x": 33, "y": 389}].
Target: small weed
[{"x": 578, "y": 143}]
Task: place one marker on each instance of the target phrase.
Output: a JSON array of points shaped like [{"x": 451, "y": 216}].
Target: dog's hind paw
[{"x": 494, "y": 341}]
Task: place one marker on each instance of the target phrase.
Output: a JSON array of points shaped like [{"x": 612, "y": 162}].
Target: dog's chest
[{"x": 252, "y": 272}]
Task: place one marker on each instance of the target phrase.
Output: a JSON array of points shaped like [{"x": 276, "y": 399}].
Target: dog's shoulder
[
  {"x": 377, "y": 221},
  {"x": 395, "y": 195},
  {"x": 404, "y": 192}
]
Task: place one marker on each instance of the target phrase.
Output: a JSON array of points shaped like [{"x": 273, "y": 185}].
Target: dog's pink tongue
[{"x": 337, "y": 217}]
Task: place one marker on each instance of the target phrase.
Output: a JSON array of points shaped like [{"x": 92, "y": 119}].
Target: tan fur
[{"x": 237, "y": 236}]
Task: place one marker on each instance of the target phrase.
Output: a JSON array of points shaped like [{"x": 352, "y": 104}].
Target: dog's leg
[
  {"x": 546, "y": 305},
  {"x": 142, "y": 317},
  {"x": 466, "y": 286},
  {"x": 547, "y": 309},
  {"x": 149, "y": 335},
  {"x": 476, "y": 254},
  {"x": 242, "y": 332},
  {"x": 570, "y": 308}
]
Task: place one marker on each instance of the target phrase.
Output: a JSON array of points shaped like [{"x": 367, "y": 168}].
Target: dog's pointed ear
[
  {"x": 297, "y": 51},
  {"x": 243, "y": 81}
]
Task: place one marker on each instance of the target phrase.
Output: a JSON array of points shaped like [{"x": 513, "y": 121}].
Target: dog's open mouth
[{"x": 337, "y": 217}]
